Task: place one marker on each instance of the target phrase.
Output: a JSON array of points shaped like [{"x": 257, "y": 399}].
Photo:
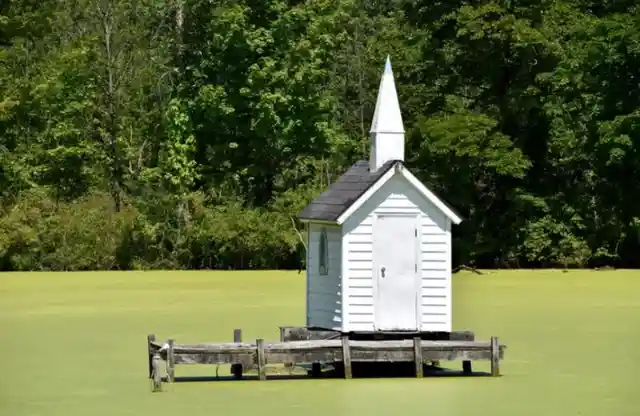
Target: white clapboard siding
[
  {"x": 435, "y": 257},
  {"x": 324, "y": 292},
  {"x": 397, "y": 196},
  {"x": 358, "y": 264}
]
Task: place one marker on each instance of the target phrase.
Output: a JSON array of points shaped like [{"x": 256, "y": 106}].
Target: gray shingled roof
[{"x": 330, "y": 204}]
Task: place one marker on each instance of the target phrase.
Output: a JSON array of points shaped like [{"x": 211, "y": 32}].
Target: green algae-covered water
[{"x": 75, "y": 344}]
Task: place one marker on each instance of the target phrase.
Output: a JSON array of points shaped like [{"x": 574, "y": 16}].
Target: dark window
[{"x": 324, "y": 253}]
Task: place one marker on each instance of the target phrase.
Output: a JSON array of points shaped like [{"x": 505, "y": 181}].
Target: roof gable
[
  {"x": 330, "y": 204},
  {"x": 357, "y": 185}
]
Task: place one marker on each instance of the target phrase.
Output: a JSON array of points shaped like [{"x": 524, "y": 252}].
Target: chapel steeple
[{"x": 387, "y": 130}]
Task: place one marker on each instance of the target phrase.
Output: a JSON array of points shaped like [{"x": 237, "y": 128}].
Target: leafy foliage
[{"x": 188, "y": 134}]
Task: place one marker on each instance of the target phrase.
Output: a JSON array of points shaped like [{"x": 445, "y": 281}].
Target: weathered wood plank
[
  {"x": 417, "y": 352},
  {"x": 346, "y": 356},
  {"x": 292, "y": 333},
  {"x": 330, "y": 355},
  {"x": 243, "y": 347},
  {"x": 329, "y": 343},
  {"x": 238, "y": 348},
  {"x": 495, "y": 357},
  {"x": 245, "y": 359},
  {"x": 310, "y": 354}
]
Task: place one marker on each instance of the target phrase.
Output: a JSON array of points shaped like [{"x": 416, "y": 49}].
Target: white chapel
[{"x": 379, "y": 241}]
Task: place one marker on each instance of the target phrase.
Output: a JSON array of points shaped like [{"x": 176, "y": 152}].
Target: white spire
[{"x": 387, "y": 130}]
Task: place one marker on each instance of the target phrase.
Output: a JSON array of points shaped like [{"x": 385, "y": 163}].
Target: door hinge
[
  {"x": 416, "y": 232},
  {"x": 416, "y": 266}
]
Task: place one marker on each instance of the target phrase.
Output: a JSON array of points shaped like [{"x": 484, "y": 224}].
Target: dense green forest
[{"x": 189, "y": 133}]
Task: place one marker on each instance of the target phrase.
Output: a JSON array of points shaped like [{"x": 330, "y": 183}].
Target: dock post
[
  {"x": 156, "y": 380},
  {"x": 346, "y": 356},
  {"x": 495, "y": 357},
  {"x": 236, "y": 368},
  {"x": 283, "y": 332},
  {"x": 150, "y": 338},
  {"x": 417, "y": 356},
  {"x": 171, "y": 363},
  {"x": 262, "y": 370}
]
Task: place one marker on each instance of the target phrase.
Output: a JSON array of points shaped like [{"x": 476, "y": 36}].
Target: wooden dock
[{"x": 247, "y": 356}]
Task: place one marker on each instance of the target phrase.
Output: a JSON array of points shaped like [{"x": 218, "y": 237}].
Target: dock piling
[
  {"x": 417, "y": 356},
  {"x": 236, "y": 368},
  {"x": 151, "y": 338},
  {"x": 495, "y": 357},
  {"x": 262, "y": 370},
  {"x": 346, "y": 356},
  {"x": 171, "y": 362}
]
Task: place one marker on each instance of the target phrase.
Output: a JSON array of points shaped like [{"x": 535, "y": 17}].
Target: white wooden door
[{"x": 395, "y": 255}]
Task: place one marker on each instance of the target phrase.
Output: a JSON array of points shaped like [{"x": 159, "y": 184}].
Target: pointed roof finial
[
  {"x": 386, "y": 116},
  {"x": 387, "y": 66}
]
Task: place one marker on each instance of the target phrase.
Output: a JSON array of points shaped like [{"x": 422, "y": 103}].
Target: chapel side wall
[{"x": 324, "y": 297}]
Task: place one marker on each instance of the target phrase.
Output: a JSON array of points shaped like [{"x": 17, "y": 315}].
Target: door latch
[{"x": 382, "y": 270}]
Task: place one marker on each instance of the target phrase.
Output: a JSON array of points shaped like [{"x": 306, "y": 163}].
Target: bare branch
[{"x": 295, "y": 228}]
